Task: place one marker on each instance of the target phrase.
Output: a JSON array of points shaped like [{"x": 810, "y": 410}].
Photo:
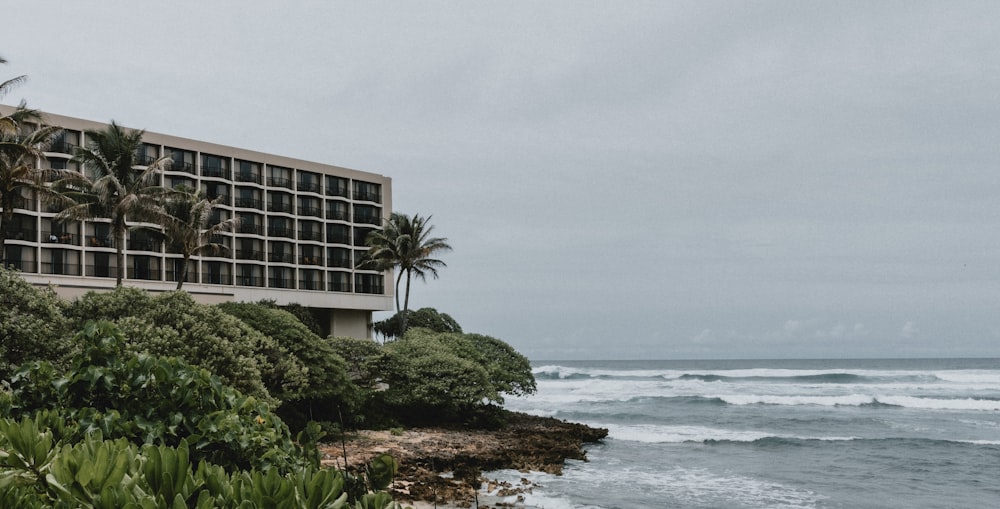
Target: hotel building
[{"x": 302, "y": 229}]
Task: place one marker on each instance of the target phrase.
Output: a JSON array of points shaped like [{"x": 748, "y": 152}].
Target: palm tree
[
  {"x": 405, "y": 242},
  {"x": 19, "y": 153},
  {"x": 187, "y": 224},
  {"x": 111, "y": 186}
]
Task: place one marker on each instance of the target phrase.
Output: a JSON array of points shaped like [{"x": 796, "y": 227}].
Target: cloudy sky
[{"x": 619, "y": 180}]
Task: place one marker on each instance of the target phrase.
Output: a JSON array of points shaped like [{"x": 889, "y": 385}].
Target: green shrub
[
  {"x": 426, "y": 318},
  {"x": 32, "y": 326},
  {"x": 173, "y": 324},
  {"x": 154, "y": 400},
  {"x": 325, "y": 386}
]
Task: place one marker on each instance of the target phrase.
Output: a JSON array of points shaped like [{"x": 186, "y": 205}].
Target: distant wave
[
  {"x": 840, "y": 378},
  {"x": 660, "y": 434},
  {"x": 864, "y": 400},
  {"x": 557, "y": 372}
]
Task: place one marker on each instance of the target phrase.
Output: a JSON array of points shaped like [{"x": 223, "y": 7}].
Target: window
[
  {"x": 214, "y": 166},
  {"x": 181, "y": 160},
  {"x": 367, "y": 191},
  {"x": 248, "y": 198},
  {"x": 249, "y": 275},
  {"x": 65, "y": 142},
  {"x": 279, "y": 202},
  {"x": 248, "y": 172},
  {"x": 278, "y": 176},
  {"x": 367, "y": 214},
  {"x": 281, "y": 252},
  {"x": 338, "y": 234},
  {"x": 361, "y": 235},
  {"x": 337, "y": 210},
  {"x": 336, "y": 186},
  {"x": 281, "y": 227},
  {"x": 147, "y": 154},
  {"x": 368, "y": 283},
  {"x": 310, "y": 230},
  {"x": 308, "y": 182},
  {"x": 339, "y": 281},
  {"x": 338, "y": 257},
  {"x": 310, "y": 206}
]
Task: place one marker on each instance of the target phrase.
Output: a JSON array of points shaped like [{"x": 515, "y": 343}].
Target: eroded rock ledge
[{"x": 525, "y": 443}]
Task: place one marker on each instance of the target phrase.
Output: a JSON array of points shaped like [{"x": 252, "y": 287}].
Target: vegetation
[
  {"x": 109, "y": 187},
  {"x": 427, "y": 318},
  {"x": 326, "y": 386},
  {"x": 173, "y": 324},
  {"x": 405, "y": 243},
  {"x": 120, "y": 430},
  {"x": 22, "y": 141},
  {"x": 188, "y": 225},
  {"x": 32, "y": 326}
]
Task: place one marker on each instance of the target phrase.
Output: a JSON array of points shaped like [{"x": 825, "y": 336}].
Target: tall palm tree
[
  {"x": 112, "y": 184},
  {"x": 21, "y": 144},
  {"x": 187, "y": 224},
  {"x": 406, "y": 243}
]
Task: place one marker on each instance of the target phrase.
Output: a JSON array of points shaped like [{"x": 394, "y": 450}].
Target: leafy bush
[
  {"x": 155, "y": 400},
  {"x": 39, "y": 471},
  {"x": 326, "y": 385},
  {"x": 427, "y": 318},
  {"x": 173, "y": 324},
  {"x": 32, "y": 326}
]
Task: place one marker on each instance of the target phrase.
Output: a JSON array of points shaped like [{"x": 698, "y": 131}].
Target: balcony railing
[
  {"x": 149, "y": 274},
  {"x": 62, "y": 147},
  {"x": 101, "y": 271},
  {"x": 367, "y": 196},
  {"x": 339, "y": 286},
  {"x": 281, "y": 257},
  {"x": 310, "y": 210},
  {"x": 340, "y": 261},
  {"x": 249, "y": 203},
  {"x": 311, "y": 260},
  {"x": 100, "y": 241},
  {"x": 65, "y": 269},
  {"x": 280, "y": 282},
  {"x": 309, "y": 187},
  {"x": 245, "y": 254},
  {"x": 22, "y": 265},
  {"x": 144, "y": 245},
  {"x": 144, "y": 160},
  {"x": 182, "y": 167},
  {"x": 279, "y": 182},
  {"x": 224, "y": 199},
  {"x": 367, "y": 219},
  {"x": 310, "y": 284},
  {"x": 21, "y": 234},
  {"x": 311, "y": 235},
  {"x": 60, "y": 238},
  {"x": 249, "y": 281},
  {"x": 338, "y": 238},
  {"x": 279, "y": 207},
  {"x": 278, "y": 231},
  {"x": 217, "y": 279},
  {"x": 336, "y": 190},
  {"x": 215, "y": 171},
  {"x": 370, "y": 288},
  {"x": 339, "y": 215},
  {"x": 248, "y": 177},
  {"x": 254, "y": 229}
]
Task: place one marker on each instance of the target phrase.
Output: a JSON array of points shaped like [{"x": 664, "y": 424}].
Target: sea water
[{"x": 774, "y": 434}]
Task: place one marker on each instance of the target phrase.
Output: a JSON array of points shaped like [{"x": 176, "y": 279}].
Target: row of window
[
  {"x": 215, "y": 166},
  {"x": 152, "y": 268}
]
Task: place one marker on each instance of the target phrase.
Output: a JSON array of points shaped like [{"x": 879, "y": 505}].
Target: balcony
[
  {"x": 249, "y": 281},
  {"x": 246, "y": 254},
  {"x": 148, "y": 274},
  {"x": 100, "y": 241},
  {"x": 62, "y": 147},
  {"x": 280, "y": 282},
  {"x": 217, "y": 279},
  {"x": 339, "y": 286},
  {"x": 14, "y": 233},
  {"x": 338, "y": 215},
  {"x": 338, "y": 238},
  {"x": 311, "y": 235},
  {"x": 145, "y": 245},
  {"x": 310, "y": 284},
  {"x": 182, "y": 167},
  {"x": 65, "y": 269},
  {"x": 60, "y": 238},
  {"x": 278, "y": 231},
  {"x": 367, "y": 196},
  {"x": 215, "y": 171},
  {"x": 280, "y": 207},
  {"x": 341, "y": 262},
  {"x": 281, "y": 257},
  {"x": 311, "y": 260},
  {"x": 374, "y": 289},
  {"x": 101, "y": 271},
  {"x": 309, "y": 187},
  {"x": 253, "y": 229},
  {"x": 310, "y": 210},
  {"x": 250, "y": 203},
  {"x": 145, "y": 160},
  {"x": 367, "y": 219},
  {"x": 279, "y": 182},
  {"x": 249, "y": 177}
]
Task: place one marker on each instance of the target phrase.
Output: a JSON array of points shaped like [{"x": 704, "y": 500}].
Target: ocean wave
[
  {"x": 839, "y": 378},
  {"x": 864, "y": 400},
  {"x": 661, "y": 434}
]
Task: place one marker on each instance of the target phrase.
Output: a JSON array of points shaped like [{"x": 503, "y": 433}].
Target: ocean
[{"x": 913, "y": 433}]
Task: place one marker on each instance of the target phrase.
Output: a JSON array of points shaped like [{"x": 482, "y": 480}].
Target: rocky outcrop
[{"x": 442, "y": 464}]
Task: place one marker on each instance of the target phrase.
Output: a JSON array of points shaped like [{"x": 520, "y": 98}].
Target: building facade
[{"x": 302, "y": 230}]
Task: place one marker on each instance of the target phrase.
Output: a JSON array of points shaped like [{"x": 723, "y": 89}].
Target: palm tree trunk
[
  {"x": 3, "y": 234},
  {"x": 399, "y": 279},
  {"x": 184, "y": 272},
  {"x": 120, "y": 248},
  {"x": 406, "y": 305}
]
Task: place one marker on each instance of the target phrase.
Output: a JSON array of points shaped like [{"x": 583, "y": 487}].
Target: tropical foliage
[
  {"x": 427, "y": 318},
  {"x": 405, "y": 243},
  {"x": 115, "y": 184},
  {"x": 32, "y": 326},
  {"x": 22, "y": 140},
  {"x": 122, "y": 430},
  {"x": 189, "y": 227}
]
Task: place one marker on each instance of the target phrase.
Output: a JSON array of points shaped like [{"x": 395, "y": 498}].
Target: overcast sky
[{"x": 619, "y": 180}]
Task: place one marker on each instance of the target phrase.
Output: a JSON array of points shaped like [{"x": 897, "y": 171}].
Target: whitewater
[{"x": 908, "y": 433}]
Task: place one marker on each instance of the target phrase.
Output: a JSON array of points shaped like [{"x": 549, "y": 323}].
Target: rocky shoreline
[{"x": 445, "y": 466}]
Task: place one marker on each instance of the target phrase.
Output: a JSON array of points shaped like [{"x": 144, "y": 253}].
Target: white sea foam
[
  {"x": 942, "y": 404},
  {"x": 665, "y": 434},
  {"x": 755, "y": 399}
]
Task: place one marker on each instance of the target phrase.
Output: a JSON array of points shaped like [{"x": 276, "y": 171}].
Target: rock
[{"x": 525, "y": 443}]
